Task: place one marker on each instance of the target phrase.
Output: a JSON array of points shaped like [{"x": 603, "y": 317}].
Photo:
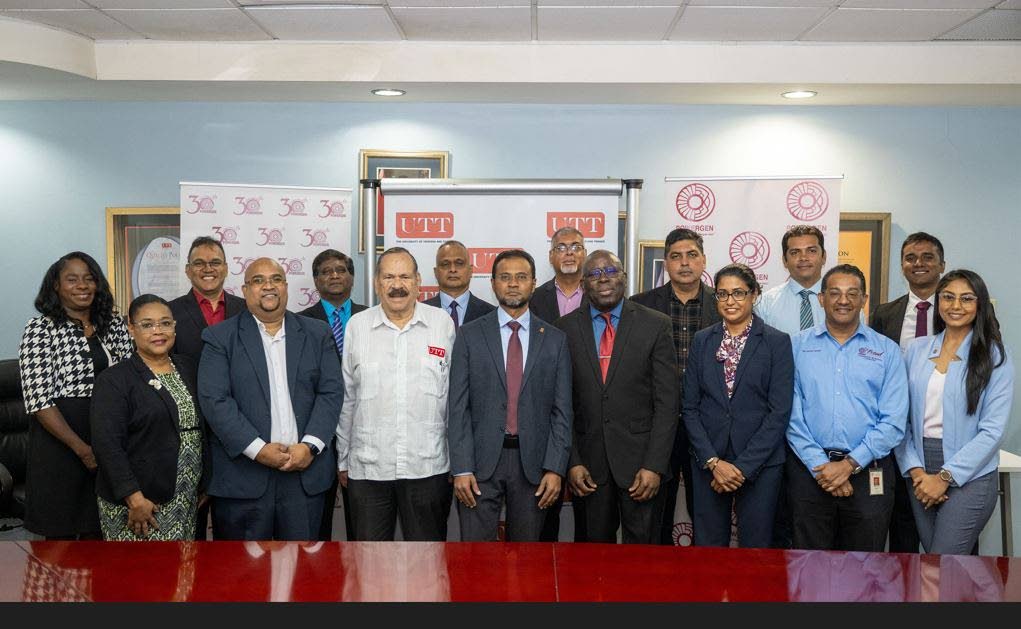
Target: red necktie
[
  {"x": 515, "y": 367},
  {"x": 606, "y": 346},
  {"x": 921, "y": 323}
]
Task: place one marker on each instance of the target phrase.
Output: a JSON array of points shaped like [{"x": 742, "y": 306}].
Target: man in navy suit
[
  {"x": 509, "y": 425},
  {"x": 270, "y": 388},
  {"x": 453, "y": 272}
]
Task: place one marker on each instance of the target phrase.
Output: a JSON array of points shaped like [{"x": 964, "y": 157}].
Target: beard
[
  {"x": 513, "y": 303},
  {"x": 569, "y": 269}
]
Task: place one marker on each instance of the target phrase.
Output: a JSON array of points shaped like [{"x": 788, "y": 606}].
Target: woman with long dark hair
[
  {"x": 77, "y": 334},
  {"x": 961, "y": 383},
  {"x": 147, "y": 434},
  {"x": 738, "y": 392}
]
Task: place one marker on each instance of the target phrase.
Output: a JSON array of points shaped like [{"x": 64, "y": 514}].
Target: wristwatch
[
  {"x": 946, "y": 476},
  {"x": 855, "y": 468},
  {"x": 313, "y": 448},
  {"x": 710, "y": 462}
]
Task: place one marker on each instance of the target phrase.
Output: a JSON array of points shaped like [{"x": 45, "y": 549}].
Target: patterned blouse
[
  {"x": 55, "y": 360},
  {"x": 729, "y": 353}
]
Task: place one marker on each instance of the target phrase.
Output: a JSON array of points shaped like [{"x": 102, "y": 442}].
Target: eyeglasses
[
  {"x": 148, "y": 326},
  {"x": 967, "y": 299},
  {"x": 212, "y": 264},
  {"x": 853, "y": 295},
  {"x": 610, "y": 272},
  {"x": 260, "y": 280},
  {"x": 739, "y": 294},
  {"x": 574, "y": 248},
  {"x": 521, "y": 278}
]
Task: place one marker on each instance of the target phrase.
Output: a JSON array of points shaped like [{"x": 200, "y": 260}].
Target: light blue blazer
[{"x": 971, "y": 443}]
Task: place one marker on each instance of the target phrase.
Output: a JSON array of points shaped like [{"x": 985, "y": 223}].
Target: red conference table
[{"x": 537, "y": 572}]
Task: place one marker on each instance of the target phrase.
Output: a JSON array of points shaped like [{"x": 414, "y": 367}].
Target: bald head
[{"x": 265, "y": 290}]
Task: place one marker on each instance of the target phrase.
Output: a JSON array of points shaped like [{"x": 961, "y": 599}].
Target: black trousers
[
  {"x": 903, "y": 531},
  {"x": 283, "y": 512},
  {"x": 783, "y": 525},
  {"x": 610, "y": 507},
  {"x": 824, "y": 522},
  {"x": 422, "y": 504},
  {"x": 507, "y": 484},
  {"x": 680, "y": 467},
  {"x": 326, "y": 528}
]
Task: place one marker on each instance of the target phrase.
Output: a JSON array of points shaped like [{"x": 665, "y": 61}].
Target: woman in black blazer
[
  {"x": 147, "y": 435},
  {"x": 738, "y": 390}
]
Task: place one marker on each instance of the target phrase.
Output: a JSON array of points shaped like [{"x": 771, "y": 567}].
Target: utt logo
[
  {"x": 227, "y": 235},
  {"x": 333, "y": 208},
  {"x": 292, "y": 266},
  {"x": 425, "y": 224},
  {"x": 590, "y": 224},
  {"x": 427, "y": 292},
  {"x": 308, "y": 297},
  {"x": 695, "y": 202},
  {"x": 248, "y": 205},
  {"x": 807, "y": 201},
  {"x": 482, "y": 258},
  {"x": 749, "y": 248},
  {"x": 271, "y": 236},
  {"x": 295, "y": 207},
  {"x": 204, "y": 204},
  {"x": 242, "y": 264},
  {"x": 316, "y": 238}
]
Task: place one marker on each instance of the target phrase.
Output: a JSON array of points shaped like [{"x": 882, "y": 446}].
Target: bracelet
[{"x": 712, "y": 462}]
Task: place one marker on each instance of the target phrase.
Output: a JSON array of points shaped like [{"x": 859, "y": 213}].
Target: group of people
[{"x": 781, "y": 406}]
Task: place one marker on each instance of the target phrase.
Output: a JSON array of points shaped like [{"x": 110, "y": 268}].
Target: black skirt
[{"x": 60, "y": 491}]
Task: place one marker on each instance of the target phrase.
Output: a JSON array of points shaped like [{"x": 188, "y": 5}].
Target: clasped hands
[
  {"x": 835, "y": 478},
  {"x": 726, "y": 477},
  {"x": 930, "y": 489},
  {"x": 285, "y": 458}
]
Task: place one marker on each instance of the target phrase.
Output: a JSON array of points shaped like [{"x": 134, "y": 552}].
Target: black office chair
[{"x": 13, "y": 441}]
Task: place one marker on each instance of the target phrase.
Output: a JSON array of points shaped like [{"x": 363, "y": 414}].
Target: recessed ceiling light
[
  {"x": 799, "y": 94},
  {"x": 388, "y": 92}
]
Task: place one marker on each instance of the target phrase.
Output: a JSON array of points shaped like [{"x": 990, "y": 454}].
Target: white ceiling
[{"x": 527, "y": 20}]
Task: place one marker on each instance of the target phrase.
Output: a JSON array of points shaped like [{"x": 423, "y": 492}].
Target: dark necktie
[
  {"x": 606, "y": 345},
  {"x": 453, "y": 315},
  {"x": 515, "y": 368},
  {"x": 922, "y": 320},
  {"x": 806, "y": 309},
  {"x": 338, "y": 332}
]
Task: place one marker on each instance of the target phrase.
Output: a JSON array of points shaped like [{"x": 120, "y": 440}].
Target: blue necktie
[
  {"x": 453, "y": 315},
  {"x": 806, "y": 309},
  {"x": 338, "y": 332}
]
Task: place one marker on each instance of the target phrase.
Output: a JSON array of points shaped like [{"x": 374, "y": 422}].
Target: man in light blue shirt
[
  {"x": 793, "y": 306},
  {"x": 850, "y": 410}
]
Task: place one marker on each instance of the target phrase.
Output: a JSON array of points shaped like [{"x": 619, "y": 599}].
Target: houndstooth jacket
[{"x": 55, "y": 361}]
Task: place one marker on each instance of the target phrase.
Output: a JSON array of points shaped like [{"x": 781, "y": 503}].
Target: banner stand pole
[
  {"x": 634, "y": 187},
  {"x": 368, "y": 206}
]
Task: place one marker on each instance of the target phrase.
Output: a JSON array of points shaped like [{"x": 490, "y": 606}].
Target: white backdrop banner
[
  {"x": 490, "y": 223},
  {"x": 289, "y": 224},
  {"x": 743, "y": 220}
]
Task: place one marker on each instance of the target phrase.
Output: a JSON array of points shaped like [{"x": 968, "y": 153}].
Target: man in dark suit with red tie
[
  {"x": 204, "y": 305},
  {"x": 334, "y": 274},
  {"x": 453, "y": 272},
  {"x": 624, "y": 370},
  {"x": 902, "y": 320}
]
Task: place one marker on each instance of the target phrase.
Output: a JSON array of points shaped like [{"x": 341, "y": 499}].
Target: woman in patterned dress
[
  {"x": 77, "y": 335},
  {"x": 738, "y": 390},
  {"x": 147, "y": 434}
]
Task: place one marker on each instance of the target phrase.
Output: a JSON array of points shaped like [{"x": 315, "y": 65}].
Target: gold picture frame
[
  {"x": 129, "y": 233},
  {"x": 650, "y": 264},
  {"x": 864, "y": 241},
  {"x": 380, "y": 163}
]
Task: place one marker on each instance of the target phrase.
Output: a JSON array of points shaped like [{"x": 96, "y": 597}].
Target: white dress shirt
[
  {"x": 283, "y": 425},
  {"x": 394, "y": 421},
  {"x": 907, "y": 330}
]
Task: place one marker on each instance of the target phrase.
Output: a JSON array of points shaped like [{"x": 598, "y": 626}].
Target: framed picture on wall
[
  {"x": 143, "y": 252},
  {"x": 865, "y": 242},
  {"x": 382, "y": 164},
  {"x": 651, "y": 273}
]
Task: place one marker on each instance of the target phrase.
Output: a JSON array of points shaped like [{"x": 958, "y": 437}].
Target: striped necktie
[
  {"x": 338, "y": 332},
  {"x": 806, "y": 309}
]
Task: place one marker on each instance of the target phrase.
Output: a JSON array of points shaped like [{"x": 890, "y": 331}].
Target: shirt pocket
[
  {"x": 433, "y": 380},
  {"x": 367, "y": 376}
]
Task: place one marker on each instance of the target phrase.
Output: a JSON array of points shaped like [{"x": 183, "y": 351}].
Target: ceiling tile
[
  {"x": 887, "y": 25},
  {"x": 255, "y": 3},
  {"x": 459, "y": 3},
  {"x": 765, "y": 3},
  {"x": 161, "y": 4},
  {"x": 919, "y": 4},
  {"x": 1009, "y": 4},
  {"x": 88, "y": 22},
  {"x": 993, "y": 25},
  {"x": 193, "y": 24},
  {"x": 745, "y": 23},
  {"x": 466, "y": 24},
  {"x": 41, "y": 4},
  {"x": 604, "y": 23},
  {"x": 610, "y": 3},
  {"x": 328, "y": 24}
]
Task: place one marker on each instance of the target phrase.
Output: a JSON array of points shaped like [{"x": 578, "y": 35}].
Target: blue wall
[{"x": 955, "y": 172}]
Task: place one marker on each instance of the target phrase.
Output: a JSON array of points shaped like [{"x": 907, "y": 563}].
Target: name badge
[
  {"x": 875, "y": 482},
  {"x": 437, "y": 351}
]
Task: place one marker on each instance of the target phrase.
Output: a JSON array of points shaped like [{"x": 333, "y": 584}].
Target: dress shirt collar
[
  {"x": 914, "y": 300},
  {"x": 381, "y": 318},
  {"x": 462, "y": 301},
  {"x": 614, "y": 313},
  {"x": 561, "y": 291},
  {"x": 265, "y": 333},
  {"x": 795, "y": 288},
  {"x": 345, "y": 309},
  {"x": 503, "y": 318},
  {"x": 199, "y": 297},
  {"x": 821, "y": 329}
]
